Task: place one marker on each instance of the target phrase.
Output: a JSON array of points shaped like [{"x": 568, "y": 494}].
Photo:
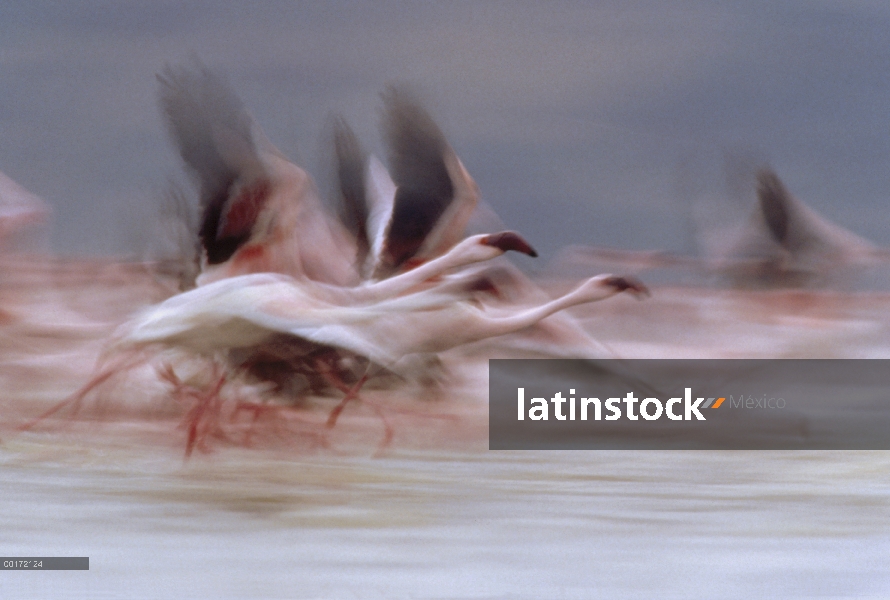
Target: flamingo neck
[
  {"x": 526, "y": 318},
  {"x": 403, "y": 282}
]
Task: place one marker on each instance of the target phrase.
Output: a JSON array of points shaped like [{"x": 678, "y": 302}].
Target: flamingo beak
[
  {"x": 629, "y": 284},
  {"x": 510, "y": 240}
]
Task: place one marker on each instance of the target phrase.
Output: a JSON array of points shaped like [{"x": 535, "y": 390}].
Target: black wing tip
[
  {"x": 417, "y": 155},
  {"x": 768, "y": 180},
  {"x": 403, "y": 97},
  {"x": 350, "y": 163},
  {"x": 193, "y": 79},
  {"x": 197, "y": 93},
  {"x": 409, "y": 128},
  {"x": 349, "y": 154},
  {"x": 772, "y": 196}
]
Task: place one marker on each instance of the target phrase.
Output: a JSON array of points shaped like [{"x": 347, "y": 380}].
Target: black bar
[{"x": 45, "y": 563}]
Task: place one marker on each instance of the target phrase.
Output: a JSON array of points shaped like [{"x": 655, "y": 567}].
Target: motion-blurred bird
[
  {"x": 245, "y": 311},
  {"x": 422, "y": 209},
  {"x": 785, "y": 242},
  {"x": 260, "y": 212}
]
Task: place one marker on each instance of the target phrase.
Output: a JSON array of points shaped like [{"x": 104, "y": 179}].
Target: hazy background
[{"x": 598, "y": 123}]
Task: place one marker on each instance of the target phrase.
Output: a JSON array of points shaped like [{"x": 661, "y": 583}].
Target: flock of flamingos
[{"x": 285, "y": 300}]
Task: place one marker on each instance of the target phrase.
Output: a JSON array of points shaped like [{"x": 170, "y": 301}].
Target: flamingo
[
  {"x": 279, "y": 273},
  {"x": 251, "y": 311},
  {"x": 783, "y": 242},
  {"x": 208, "y": 321},
  {"x": 289, "y": 364},
  {"x": 787, "y": 242},
  {"x": 245, "y": 311},
  {"x": 422, "y": 209},
  {"x": 260, "y": 212},
  {"x": 474, "y": 249},
  {"x": 316, "y": 296}
]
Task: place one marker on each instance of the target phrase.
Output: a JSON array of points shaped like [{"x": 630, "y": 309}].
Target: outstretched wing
[
  {"x": 354, "y": 205},
  {"x": 260, "y": 212},
  {"x": 214, "y": 134},
  {"x": 434, "y": 194}
]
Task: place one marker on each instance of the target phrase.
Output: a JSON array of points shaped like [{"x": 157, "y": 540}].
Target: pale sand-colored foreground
[{"x": 301, "y": 512}]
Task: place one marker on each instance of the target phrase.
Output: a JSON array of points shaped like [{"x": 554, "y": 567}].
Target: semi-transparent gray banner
[
  {"x": 45, "y": 563},
  {"x": 689, "y": 404}
]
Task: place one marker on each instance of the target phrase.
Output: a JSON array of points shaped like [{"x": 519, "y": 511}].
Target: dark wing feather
[
  {"x": 351, "y": 162},
  {"x": 773, "y": 198},
  {"x": 417, "y": 163},
  {"x": 213, "y": 132}
]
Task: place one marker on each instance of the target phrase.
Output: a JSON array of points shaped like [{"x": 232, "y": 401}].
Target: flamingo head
[
  {"x": 505, "y": 241},
  {"x": 603, "y": 286},
  {"x": 479, "y": 248}
]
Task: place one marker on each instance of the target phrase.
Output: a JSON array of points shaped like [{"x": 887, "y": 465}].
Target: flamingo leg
[
  {"x": 128, "y": 361},
  {"x": 209, "y": 402},
  {"x": 388, "y": 432},
  {"x": 205, "y": 415},
  {"x": 258, "y": 410},
  {"x": 351, "y": 394}
]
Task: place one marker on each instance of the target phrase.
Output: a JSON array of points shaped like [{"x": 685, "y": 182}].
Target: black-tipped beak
[
  {"x": 629, "y": 284},
  {"x": 510, "y": 240}
]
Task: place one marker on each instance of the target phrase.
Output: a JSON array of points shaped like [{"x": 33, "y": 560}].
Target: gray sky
[{"x": 582, "y": 122}]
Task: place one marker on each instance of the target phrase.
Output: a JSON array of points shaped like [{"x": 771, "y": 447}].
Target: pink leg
[
  {"x": 388, "y": 432},
  {"x": 351, "y": 394},
  {"x": 207, "y": 402},
  {"x": 128, "y": 361}
]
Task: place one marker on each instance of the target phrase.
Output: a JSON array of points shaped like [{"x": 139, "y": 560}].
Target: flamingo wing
[
  {"x": 351, "y": 161},
  {"x": 260, "y": 212},
  {"x": 214, "y": 134},
  {"x": 434, "y": 194}
]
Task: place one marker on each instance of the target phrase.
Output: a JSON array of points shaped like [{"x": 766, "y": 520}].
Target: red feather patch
[{"x": 244, "y": 209}]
